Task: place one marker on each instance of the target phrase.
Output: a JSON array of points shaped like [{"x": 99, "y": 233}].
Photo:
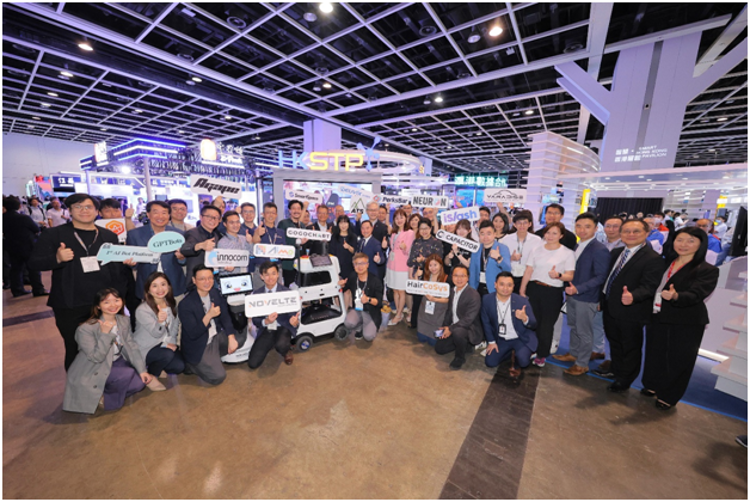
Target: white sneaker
[
  {"x": 155, "y": 385},
  {"x": 484, "y": 352},
  {"x": 482, "y": 345},
  {"x": 553, "y": 348}
]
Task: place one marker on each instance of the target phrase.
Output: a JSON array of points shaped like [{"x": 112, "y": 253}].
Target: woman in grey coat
[{"x": 109, "y": 367}]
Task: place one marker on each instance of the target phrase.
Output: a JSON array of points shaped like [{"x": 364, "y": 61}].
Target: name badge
[
  {"x": 482, "y": 277},
  {"x": 501, "y": 329},
  {"x": 429, "y": 307},
  {"x": 90, "y": 264},
  {"x": 358, "y": 300},
  {"x": 657, "y": 302}
]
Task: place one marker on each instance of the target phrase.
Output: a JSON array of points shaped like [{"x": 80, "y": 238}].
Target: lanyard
[
  {"x": 521, "y": 244},
  {"x": 502, "y": 319},
  {"x": 80, "y": 241},
  {"x": 486, "y": 257},
  {"x": 363, "y": 287},
  {"x": 671, "y": 268},
  {"x": 275, "y": 234}
]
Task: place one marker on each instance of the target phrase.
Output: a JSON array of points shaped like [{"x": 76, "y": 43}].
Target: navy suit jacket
[
  {"x": 592, "y": 269},
  {"x": 491, "y": 324},
  {"x": 282, "y": 319},
  {"x": 169, "y": 263},
  {"x": 373, "y": 247},
  {"x": 194, "y": 332}
]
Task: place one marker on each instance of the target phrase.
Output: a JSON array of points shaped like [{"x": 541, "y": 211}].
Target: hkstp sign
[{"x": 324, "y": 161}]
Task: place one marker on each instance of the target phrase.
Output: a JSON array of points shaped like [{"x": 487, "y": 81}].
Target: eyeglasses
[
  {"x": 361, "y": 263},
  {"x": 632, "y": 232},
  {"x": 79, "y": 207},
  {"x": 209, "y": 217}
]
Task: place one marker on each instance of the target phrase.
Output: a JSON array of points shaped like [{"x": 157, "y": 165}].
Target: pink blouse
[{"x": 398, "y": 256}]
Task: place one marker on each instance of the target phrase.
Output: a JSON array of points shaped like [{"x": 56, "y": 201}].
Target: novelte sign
[
  {"x": 213, "y": 186},
  {"x": 467, "y": 244},
  {"x": 498, "y": 195},
  {"x": 264, "y": 304}
]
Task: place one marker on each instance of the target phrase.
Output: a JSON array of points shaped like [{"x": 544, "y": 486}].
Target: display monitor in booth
[
  {"x": 331, "y": 193},
  {"x": 235, "y": 284}
]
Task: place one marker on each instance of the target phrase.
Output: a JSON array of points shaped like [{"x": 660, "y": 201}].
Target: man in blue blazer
[
  {"x": 171, "y": 263},
  {"x": 207, "y": 330},
  {"x": 370, "y": 246},
  {"x": 583, "y": 292},
  {"x": 508, "y": 323},
  {"x": 275, "y": 330},
  {"x": 491, "y": 259}
]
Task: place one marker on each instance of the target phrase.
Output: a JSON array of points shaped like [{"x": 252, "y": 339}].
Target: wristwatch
[{"x": 559, "y": 275}]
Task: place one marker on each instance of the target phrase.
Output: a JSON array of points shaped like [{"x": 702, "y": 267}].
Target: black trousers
[
  {"x": 545, "y": 303},
  {"x": 416, "y": 303},
  {"x": 671, "y": 351},
  {"x": 458, "y": 341},
  {"x": 280, "y": 339},
  {"x": 289, "y": 276},
  {"x": 625, "y": 346},
  {"x": 67, "y": 321},
  {"x": 517, "y": 284},
  {"x": 161, "y": 359},
  {"x": 17, "y": 266}
]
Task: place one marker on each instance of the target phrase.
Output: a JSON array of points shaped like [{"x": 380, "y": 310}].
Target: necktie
[{"x": 619, "y": 266}]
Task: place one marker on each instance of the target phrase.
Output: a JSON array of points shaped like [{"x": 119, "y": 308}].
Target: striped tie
[{"x": 619, "y": 266}]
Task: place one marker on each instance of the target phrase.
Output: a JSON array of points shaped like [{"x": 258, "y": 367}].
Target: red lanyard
[{"x": 671, "y": 267}]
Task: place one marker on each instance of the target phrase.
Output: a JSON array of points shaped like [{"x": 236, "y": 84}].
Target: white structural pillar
[
  {"x": 644, "y": 111},
  {"x": 551, "y": 156},
  {"x": 320, "y": 136}
]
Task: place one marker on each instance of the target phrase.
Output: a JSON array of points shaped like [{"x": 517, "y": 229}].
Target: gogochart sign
[
  {"x": 438, "y": 201},
  {"x": 166, "y": 242},
  {"x": 467, "y": 213},
  {"x": 303, "y": 233},
  {"x": 112, "y": 252},
  {"x": 226, "y": 258},
  {"x": 273, "y": 251},
  {"x": 303, "y": 196},
  {"x": 262, "y": 305},
  {"x": 213, "y": 186},
  {"x": 467, "y": 244},
  {"x": 436, "y": 289},
  {"x": 500, "y": 195}
]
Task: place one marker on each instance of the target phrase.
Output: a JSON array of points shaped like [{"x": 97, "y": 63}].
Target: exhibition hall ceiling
[{"x": 462, "y": 83}]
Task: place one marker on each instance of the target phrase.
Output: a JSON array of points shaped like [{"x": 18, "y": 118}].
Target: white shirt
[
  {"x": 613, "y": 245},
  {"x": 633, "y": 251},
  {"x": 211, "y": 325},
  {"x": 542, "y": 260},
  {"x": 524, "y": 248},
  {"x": 57, "y": 216},
  {"x": 720, "y": 230},
  {"x": 581, "y": 246},
  {"x": 456, "y": 296},
  {"x": 37, "y": 214},
  {"x": 274, "y": 325},
  {"x": 504, "y": 308}
]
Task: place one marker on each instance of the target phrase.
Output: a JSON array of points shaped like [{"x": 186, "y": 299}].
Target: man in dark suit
[
  {"x": 508, "y": 325},
  {"x": 582, "y": 294},
  {"x": 635, "y": 273},
  {"x": 20, "y": 233},
  {"x": 462, "y": 324},
  {"x": 275, "y": 330},
  {"x": 554, "y": 213},
  {"x": 207, "y": 330},
  {"x": 372, "y": 247},
  {"x": 379, "y": 232},
  {"x": 322, "y": 225},
  {"x": 200, "y": 239}
]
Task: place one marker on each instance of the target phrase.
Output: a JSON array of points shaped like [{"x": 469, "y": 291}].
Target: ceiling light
[
  {"x": 46, "y": 105},
  {"x": 712, "y": 149},
  {"x": 640, "y": 176},
  {"x": 648, "y": 179},
  {"x": 30, "y": 126},
  {"x": 427, "y": 101},
  {"x": 495, "y": 30},
  {"x": 137, "y": 110},
  {"x": 326, "y": 85},
  {"x": 722, "y": 119},
  {"x": 85, "y": 46},
  {"x": 36, "y": 118},
  {"x": 181, "y": 132},
  {"x": 197, "y": 79},
  {"x": 103, "y": 129},
  {"x": 413, "y": 129},
  {"x": 326, "y": 7},
  {"x": 125, "y": 169},
  {"x": 66, "y": 74},
  {"x": 474, "y": 38},
  {"x": 227, "y": 117},
  {"x": 317, "y": 88},
  {"x": 439, "y": 99},
  {"x": 478, "y": 134},
  {"x": 529, "y": 112},
  {"x": 53, "y": 94},
  {"x": 189, "y": 82},
  {"x": 310, "y": 17},
  {"x": 257, "y": 137}
]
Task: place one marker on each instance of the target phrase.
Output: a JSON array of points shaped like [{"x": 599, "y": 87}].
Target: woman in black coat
[
  {"x": 674, "y": 335},
  {"x": 343, "y": 243}
]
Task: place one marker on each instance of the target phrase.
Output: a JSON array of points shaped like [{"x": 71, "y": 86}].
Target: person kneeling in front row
[
  {"x": 276, "y": 330},
  {"x": 508, "y": 322},
  {"x": 207, "y": 330},
  {"x": 108, "y": 367},
  {"x": 462, "y": 326},
  {"x": 366, "y": 289}
]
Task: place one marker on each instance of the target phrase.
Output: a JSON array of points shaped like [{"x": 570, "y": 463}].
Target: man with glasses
[
  {"x": 364, "y": 318},
  {"x": 70, "y": 252},
  {"x": 178, "y": 212},
  {"x": 554, "y": 214},
  {"x": 520, "y": 244},
  {"x": 202, "y": 238},
  {"x": 247, "y": 211},
  {"x": 599, "y": 349},
  {"x": 462, "y": 325}
]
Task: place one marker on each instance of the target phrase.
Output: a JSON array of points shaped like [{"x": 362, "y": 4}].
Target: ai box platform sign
[
  {"x": 467, "y": 244},
  {"x": 274, "y": 251},
  {"x": 214, "y": 187},
  {"x": 112, "y": 252},
  {"x": 439, "y": 201},
  {"x": 226, "y": 258},
  {"x": 436, "y": 289},
  {"x": 505, "y": 195},
  {"x": 262, "y": 305},
  {"x": 166, "y": 242}
]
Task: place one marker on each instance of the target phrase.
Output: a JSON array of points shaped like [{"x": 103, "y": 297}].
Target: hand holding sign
[
  {"x": 271, "y": 318},
  {"x": 522, "y": 315},
  {"x": 64, "y": 254}
]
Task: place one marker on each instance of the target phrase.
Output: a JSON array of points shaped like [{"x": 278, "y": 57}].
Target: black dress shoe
[
  {"x": 41, "y": 293},
  {"x": 604, "y": 373},
  {"x": 358, "y": 335},
  {"x": 25, "y": 292},
  {"x": 648, "y": 392},
  {"x": 618, "y": 387},
  {"x": 457, "y": 363}
]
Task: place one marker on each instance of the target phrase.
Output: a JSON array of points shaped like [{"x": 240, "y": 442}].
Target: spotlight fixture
[
  {"x": 326, "y": 85},
  {"x": 36, "y": 118},
  {"x": 413, "y": 129},
  {"x": 197, "y": 79},
  {"x": 326, "y": 7},
  {"x": 66, "y": 74},
  {"x": 227, "y": 117},
  {"x": 427, "y": 101},
  {"x": 53, "y": 94},
  {"x": 125, "y": 169},
  {"x": 438, "y": 99},
  {"x": 529, "y": 112},
  {"x": 45, "y": 105},
  {"x": 103, "y": 129},
  {"x": 474, "y": 37},
  {"x": 317, "y": 87},
  {"x": 495, "y": 30},
  {"x": 310, "y": 17},
  {"x": 137, "y": 110},
  {"x": 85, "y": 45},
  {"x": 722, "y": 119},
  {"x": 478, "y": 134},
  {"x": 257, "y": 138},
  {"x": 181, "y": 132},
  {"x": 189, "y": 82}
]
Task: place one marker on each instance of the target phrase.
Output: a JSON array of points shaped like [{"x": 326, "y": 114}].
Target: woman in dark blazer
[
  {"x": 342, "y": 246},
  {"x": 680, "y": 317}
]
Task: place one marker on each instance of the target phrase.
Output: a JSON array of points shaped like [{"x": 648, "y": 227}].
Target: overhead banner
[
  {"x": 226, "y": 258},
  {"x": 467, "y": 213},
  {"x": 436, "y": 289},
  {"x": 264, "y": 304},
  {"x": 274, "y": 251},
  {"x": 505, "y": 195},
  {"x": 116, "y": 225},
  {"x": 213, "y": 186},
  {"x": 467, "y": 244},
  {"x": 113, "y": 252},
  {"x": 311, "y": 235},
  {"x": 398, "y": 200},
  {"x": 303, "y": 196},
  {"x": 439, "y": 201},
  {"x": 166, "y": 242}
]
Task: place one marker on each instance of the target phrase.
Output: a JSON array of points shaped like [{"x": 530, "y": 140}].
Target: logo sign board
[
  {"x": 213, "y": 186},
  {"x": 112, "y": 252},
  {"x": 303, "y": 196},
  {"x": 273, "y": 251},
  {"x": 226, "y": 258},
  {"x": 436, "y": 289},
  {"x": 352, "y": 191},
  {"x": 398, "y": 200},
  {"x": 100, "y": 151},
  {"x": 467, "y": 213},
  {"x": 503, "y": 195},
  {"x": 117, "y": 226},
  {"x": 438, "y": 201},
  {"x": 323, "y": 161},
  {"x": 467, "y": 244},
  {"x": 264, "y": 304},
  {"x": 166, "y": 242},
  {"x": 303, "y": 233}
]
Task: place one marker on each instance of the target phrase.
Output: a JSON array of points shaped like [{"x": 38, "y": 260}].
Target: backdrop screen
[{"x": 331, "y": 192}]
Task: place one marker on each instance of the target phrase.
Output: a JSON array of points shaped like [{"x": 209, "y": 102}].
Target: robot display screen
[
  {"x": 331, "y": 192},
  {"x": 235, "y": 284}
]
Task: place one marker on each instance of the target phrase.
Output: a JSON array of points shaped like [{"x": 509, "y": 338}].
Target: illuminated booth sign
[{"x": 481, "y": 181}]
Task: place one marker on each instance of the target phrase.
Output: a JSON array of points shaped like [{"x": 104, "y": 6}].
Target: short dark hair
[
  {"x": 614, "y": 217},
  {"x": 503, "y": 274},
  {"x": 485, "y": 209},
  {"x": 266, "y": 266},
  {"x": 637, "y": 220},
  {"x": 80, "y": 197},
  {"x": 461, "y": 265},
  {"x": 587, "y": 216},
  {"x": 293, "y": 202},
  {"x": 270, "y": 205},
  {"x": 523, "y": 214},
  {"x": 159, "y": 203},
  {"x": 247, "y": 204},
  {"x": 177, "y": 201},
  {"x": 111, "y": 202},
  {"x": 322, "y": 206},
  {"x": 210, "y": 208},
  {"x": 486, "y": 224},
  {"x": 659, "y": 213},
  {"x": 228, "y": 214},
  {"x": 366, "y": 221},
  {"x": 555, "y": 206},
  {"x": 11, "y": 203},
  {"x": 200, "y": 267},
  {"x": 557, "y": 225}
]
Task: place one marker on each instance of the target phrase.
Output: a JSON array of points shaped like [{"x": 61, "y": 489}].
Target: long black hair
[
  {"x": 700, "y": 255},
  {"x": 351, "y": 237},
  {"x": 148, "y": 297}
]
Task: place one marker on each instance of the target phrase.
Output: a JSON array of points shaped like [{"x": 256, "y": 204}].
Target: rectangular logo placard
[
  {"x": 117, "y": 225},
  {"x": 213, "y": 186},
  {"x": 436, "y": 289},
  {"x": 113, "y": 252},
  {"x": 466, "y": 213},
  {"x": 467, "y": 244},
  {"x": 226, "y": 258},
  {"x": 303, "y": 233},
  {"x": 500, "y": 195},
  {"x": 264, "y": 304},
  {"x": 398, "y": 200},
  {"x": 302, "y": 196},
  {"x": 439, "y": 201},
  {"x": 273, "y": 251}
]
